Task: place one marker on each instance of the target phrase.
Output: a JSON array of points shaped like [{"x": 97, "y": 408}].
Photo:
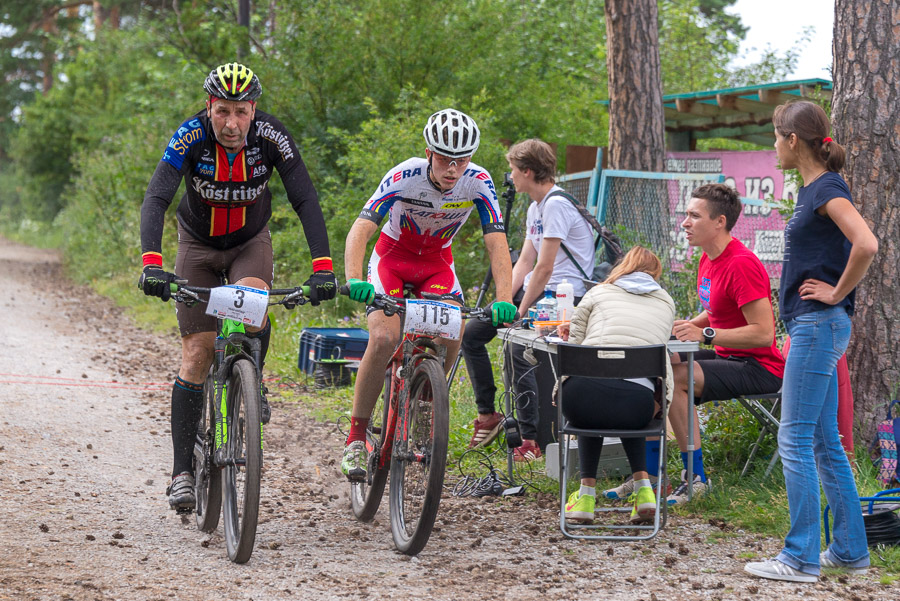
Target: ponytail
[{"x": 833, "y": 154}]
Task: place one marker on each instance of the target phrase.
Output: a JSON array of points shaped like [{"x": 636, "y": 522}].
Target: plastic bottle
[
  {"x": 546, "y": 307},
  {"x": 565, "y": 300}
]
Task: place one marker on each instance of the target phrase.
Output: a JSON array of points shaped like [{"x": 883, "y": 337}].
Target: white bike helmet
[{"x": 451, "y": 133}]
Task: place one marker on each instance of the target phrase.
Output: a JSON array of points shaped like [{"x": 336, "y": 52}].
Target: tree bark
[
  {"x": 636, "y": 123},
  {"x": 866, "y": 105}
]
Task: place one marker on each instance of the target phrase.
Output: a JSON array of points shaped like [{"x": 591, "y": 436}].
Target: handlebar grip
[
  {"x": 345, "y": 290},
  {"x": 305, "y": 290}
]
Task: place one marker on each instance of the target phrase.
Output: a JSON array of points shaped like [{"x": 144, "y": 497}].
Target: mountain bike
[
  {"x": 409, "y": 431},
  {"x": 228, "y": 449}
]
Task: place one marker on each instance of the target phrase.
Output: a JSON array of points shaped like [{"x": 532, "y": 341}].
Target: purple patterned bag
[{"x": 888, "y": 433}]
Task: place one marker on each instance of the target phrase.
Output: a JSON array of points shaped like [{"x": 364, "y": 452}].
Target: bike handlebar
[
  {"x": 190, "y": 295},
  {"x": 392, "y": 305}
]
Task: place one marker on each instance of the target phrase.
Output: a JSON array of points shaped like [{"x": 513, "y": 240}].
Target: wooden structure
[{"x": 743, "y": 113}]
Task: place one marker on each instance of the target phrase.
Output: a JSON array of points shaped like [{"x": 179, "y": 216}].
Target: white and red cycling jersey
[{"x": 415, "y": 243}]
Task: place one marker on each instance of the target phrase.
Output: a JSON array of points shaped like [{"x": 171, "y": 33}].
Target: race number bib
[
  {"x": 240, "y": 303},
  {"x": 433, "y": 318}
]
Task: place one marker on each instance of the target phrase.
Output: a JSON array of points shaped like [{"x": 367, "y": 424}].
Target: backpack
[
  {"x": 612, "y": 246},
  {"x": 888, "y": 433}
]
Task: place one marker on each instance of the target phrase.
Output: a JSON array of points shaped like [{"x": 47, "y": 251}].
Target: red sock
[{"x": 358, "y": 427}]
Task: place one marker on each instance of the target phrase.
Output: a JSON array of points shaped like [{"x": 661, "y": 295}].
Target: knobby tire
[
  {"x": 242, "y": 475},
  {"x": 365, "y": 497},
  {"x": 416, "y": 485},
  {"x": 208, "y": 477}
]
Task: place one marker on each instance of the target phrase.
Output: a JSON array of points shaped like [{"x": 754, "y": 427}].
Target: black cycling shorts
[
  {"x": 728, "y": 377},
  {"x": 203, "y": 266}
]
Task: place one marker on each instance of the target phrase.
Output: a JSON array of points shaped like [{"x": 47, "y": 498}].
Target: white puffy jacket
[{"x": 634, "y": 311}]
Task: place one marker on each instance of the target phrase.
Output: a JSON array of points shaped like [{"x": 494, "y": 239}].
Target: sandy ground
[{"x": 84, "y": 462}]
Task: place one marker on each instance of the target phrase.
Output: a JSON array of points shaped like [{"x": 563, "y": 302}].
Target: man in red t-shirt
[{"x": 737, "y": 319}]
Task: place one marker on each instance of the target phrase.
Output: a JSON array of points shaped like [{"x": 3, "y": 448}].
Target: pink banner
[{"x": 760, "y": 183}]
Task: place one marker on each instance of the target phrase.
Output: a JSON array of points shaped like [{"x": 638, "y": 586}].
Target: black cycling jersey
[{"x": 228, "y": 202}]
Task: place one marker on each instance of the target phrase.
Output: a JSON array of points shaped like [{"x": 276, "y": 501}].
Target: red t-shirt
[{"x": 727, "y": 283}]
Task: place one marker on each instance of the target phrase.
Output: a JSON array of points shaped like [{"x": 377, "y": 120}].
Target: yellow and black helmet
[{"x": 233, "y": 81}]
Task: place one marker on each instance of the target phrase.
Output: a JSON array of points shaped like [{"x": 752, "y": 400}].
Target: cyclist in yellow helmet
[{"x": 225, "y": 154}]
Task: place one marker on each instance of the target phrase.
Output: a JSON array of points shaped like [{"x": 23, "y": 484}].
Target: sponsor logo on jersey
[
  {"x": 439, "y": 287},
  {"x": 394, "y": 292},
  {"x": 399, "y": 175},
  {"x": 279, "y": 138},
  {"x": 463, "y": 204},
  {"x": 205, "y": 169},
  {"x": 253, "y": 156},
  {"x": 186, "y": 136},
  {"x": 418, "y": 203},
  {"x": 442, "y": 215},
  {"x": 258, "y": 170},
  {"x": 212, "y": 193}
]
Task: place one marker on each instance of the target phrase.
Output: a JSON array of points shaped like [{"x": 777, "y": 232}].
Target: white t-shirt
[{"x": 556, "y": 217}]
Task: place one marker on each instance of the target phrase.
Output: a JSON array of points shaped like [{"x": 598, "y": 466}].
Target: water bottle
[
  {"x": 565, "y": 300},
  {"x": 546, "y": 307}
]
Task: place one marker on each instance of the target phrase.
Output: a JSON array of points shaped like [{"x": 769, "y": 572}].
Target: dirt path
[{"x": 84, "y": 461}]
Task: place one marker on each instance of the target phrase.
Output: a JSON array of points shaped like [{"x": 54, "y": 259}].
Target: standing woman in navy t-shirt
[{"x": 827, "y": 249}]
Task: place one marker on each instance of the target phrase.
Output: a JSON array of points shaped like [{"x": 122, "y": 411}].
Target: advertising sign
[{"x": 762, "y": 187}]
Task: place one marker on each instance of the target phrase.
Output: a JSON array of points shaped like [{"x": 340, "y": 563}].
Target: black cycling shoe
[
  {"x": 265, "y": 412},
  {"x": 181, "y": 493}
]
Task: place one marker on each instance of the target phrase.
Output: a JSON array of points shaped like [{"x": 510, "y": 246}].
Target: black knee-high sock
[
  {"x": 263, "y": 336},
  {"x": 187, "y": 404}
]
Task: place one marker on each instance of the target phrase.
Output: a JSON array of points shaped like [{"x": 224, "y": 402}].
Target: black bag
[{"x": 612, "y": 246}]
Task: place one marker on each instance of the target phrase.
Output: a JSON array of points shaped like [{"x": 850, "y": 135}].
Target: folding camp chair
[
  {"x": 612, "y": 363},
  {"x": 768, "y": 419}
]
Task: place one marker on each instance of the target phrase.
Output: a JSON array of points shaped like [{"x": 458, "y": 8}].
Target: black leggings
[{"x": 591, "y": 403}]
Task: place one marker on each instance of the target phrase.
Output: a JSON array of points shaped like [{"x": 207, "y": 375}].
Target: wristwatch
[{"x": 708, "y": 335}]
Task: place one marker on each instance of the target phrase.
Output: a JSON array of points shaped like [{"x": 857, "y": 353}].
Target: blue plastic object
[
  {"x": 317, "y": 344},
  {"x": 880, "y": 497}
]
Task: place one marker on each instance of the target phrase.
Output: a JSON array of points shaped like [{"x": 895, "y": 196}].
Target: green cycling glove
[
  {"x": 502, "y": 312},
  {"x": 360, "y": 291}
]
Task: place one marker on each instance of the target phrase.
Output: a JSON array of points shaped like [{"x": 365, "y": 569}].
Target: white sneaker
[
  {"x": 773, "y": 569},
  {"x": 624, "y": 490},
  {"x": 680, "y": 495},
  {"x": 826, "y": 561}
]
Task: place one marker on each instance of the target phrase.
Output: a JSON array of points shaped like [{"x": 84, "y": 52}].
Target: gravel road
[{"x": 84, "y": 462}]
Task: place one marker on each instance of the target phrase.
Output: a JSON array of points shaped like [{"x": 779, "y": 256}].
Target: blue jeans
[{"x": 810, "y": 447}]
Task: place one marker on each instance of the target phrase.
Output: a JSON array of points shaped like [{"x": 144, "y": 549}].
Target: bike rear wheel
[
  {"x": 419, "y": 458},
  {"x": 207, "y": 477},
  {"x": 244, "y": 461},
  {"x": 365, "y": 497}
]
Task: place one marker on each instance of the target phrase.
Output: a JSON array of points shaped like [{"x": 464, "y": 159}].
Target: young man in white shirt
[{"x": 556, "y": 237}]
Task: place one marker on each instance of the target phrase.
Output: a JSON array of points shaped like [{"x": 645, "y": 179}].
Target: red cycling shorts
[{"x": 393, "y": 265}]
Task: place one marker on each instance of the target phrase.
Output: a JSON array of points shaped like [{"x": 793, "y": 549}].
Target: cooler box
[{"x": 331, "y": 343}]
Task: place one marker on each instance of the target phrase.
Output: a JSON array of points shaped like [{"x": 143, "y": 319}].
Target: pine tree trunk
[
  {"x": 636, "y": 124},
  {"x": 866, "y": 105}
]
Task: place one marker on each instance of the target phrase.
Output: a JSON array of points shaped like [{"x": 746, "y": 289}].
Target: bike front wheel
[
  {"x": 419, "y": 458},
  {"x": 207, "y": 477},
  {"x": 241, "y": 474},
  {"x": 365, "y": 497}
]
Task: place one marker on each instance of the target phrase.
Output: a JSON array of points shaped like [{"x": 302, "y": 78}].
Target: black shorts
[
  {"x": 203, "y": 266},
  {"x": 728, "y": 377}
]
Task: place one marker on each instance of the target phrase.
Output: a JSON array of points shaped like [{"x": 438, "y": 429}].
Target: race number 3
[
  {"x": 433, "y": 318},
  {"x": 240, "y": 303}
]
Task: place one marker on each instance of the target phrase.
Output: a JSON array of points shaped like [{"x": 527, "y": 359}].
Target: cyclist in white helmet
[{"x": 426, "y": 201}]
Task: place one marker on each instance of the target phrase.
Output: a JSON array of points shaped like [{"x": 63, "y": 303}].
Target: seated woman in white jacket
[{"x": 630, "y": 308}]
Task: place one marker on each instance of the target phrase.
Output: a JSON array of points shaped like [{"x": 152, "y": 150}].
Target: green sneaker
[
  {"x": 644, "y": 506},
  {"x": 353, "y": 462},
  {"x": 580, "y": 508}
]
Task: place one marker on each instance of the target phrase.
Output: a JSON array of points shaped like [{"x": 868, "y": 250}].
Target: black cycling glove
[
  {"x": 322, "y": 286},
  {"x": 154, "y": 281}
]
